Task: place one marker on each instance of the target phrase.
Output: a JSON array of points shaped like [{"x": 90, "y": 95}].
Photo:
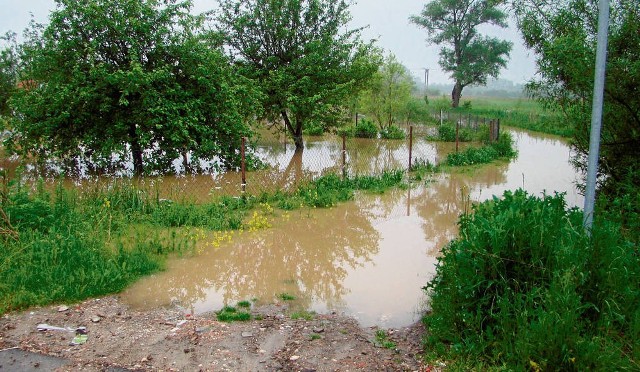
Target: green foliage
[
  {"x": 501, "y": 149},
  {"x": 525, "y": 288},
  {"x": 521, "y": 113},
  {"x": 231, "y": 314},
  {"x": 469, "y": 57},
  {"x": 563, "y": 36},
  {"x": 388, "y": 94},
  {"x": 302, "y": 54},
  {"x": 115, "y": 80},
  {"x": 306, "y": 315},
  {"x": 286, "y": 297},
  {"x": 244, "y": 304},
  {"x": 74, "y": 244},
  {"x": 447, "y": 133},
  {"x": 314, "y": 129},
  {"x": 8, "y": 71},
  {"x": 365, "y": 129},
  {"x": 392, "y": 132},
  {"x": 382, "y": 340},
  {"x": 65, "y": 254}
]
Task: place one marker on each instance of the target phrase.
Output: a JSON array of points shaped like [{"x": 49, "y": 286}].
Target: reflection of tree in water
[
  {"x": 372, "y": 156},
  {"x": 308, "y": 257},
  {"x": 440, "y": 203}
]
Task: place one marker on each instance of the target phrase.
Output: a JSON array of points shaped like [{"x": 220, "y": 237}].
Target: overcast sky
[{"x": 387, "y": 21}]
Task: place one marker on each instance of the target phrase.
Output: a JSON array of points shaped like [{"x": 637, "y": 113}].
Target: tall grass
[
  {"x": 522, "y": 113},
  {"x": 524, "y": 288}
]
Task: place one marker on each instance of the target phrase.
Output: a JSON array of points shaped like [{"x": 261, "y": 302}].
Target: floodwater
[{"x": 368, "y": 258}]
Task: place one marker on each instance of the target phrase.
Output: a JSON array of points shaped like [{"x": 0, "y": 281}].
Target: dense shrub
[
  {"x": 525, "y": 288},
  {"x": 366, "y": 129},
  {"x": 392, "y": 132},
  {"x": 503, "y": 148}
]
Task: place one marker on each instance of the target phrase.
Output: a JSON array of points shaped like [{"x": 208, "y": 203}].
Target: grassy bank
[
  {"x": 525, "y": 288},
  {"x": 521, "y": 113},
  {"x": 65, "y": 246}
]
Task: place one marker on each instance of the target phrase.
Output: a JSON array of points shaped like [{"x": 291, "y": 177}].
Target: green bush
[
  {"x": 524, "y": 288},
  {"x": 392, "y": 132},
  {"x": 501, "y": 149},
  {"x": 447, "y": 133},
  {"x": 366, "y": 129}
]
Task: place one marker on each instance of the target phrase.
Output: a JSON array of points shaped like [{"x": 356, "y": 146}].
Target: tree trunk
[
  {"x": 296, "y": 132},
  {"x": 456, "y": 94},
  {"x": 136, "y": 150}
]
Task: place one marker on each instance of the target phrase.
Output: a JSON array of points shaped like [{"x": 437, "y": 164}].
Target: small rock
[
  {"x": 186, "y": 351},
  {"x": 63, "y": 308},
  {"x": 318, "y": 329},
  {"x": 95, "y": 319},
  {"x": 294, "y": 358},
  {"x": 247, "y": 334}
]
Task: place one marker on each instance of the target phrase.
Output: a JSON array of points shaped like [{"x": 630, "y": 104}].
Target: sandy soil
[{"x": 170, "y": 340}]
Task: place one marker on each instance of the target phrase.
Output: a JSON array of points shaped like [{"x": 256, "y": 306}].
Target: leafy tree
[
  {"x": 563, "y": 35},
  {"x": 128, "y": 79},
  {"x": 470, "y": 57},
  {"x": 389, "y": 93},
  {"x": 305, "y": 59},
  {"x": 8, "y": 71}
]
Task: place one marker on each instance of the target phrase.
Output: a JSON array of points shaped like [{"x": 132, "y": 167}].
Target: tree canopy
[
  {"x": 121, "y": 80},
  {"x": 470, "y": 57},
  {"x": 8, "y": 71},
  {"x": 563, "y": 35},
  {"x": 389, "y": 93},
  {"x": 302, "y": 54}
]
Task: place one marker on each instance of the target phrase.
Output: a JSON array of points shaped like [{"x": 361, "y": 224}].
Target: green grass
[
  {"x": 522, "y": 113},
  {"x": 66, "y": 245},
  {"x": 304, "y": 314},
  {"x": 244, "y": 304},
  {"x": 231, "y": 314},
  {"x": 382, "y": 340},
  {"x": 524, "y": 288},
  {"x": 286, "y": 297}
]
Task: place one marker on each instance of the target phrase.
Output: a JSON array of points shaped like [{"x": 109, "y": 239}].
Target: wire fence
[{"x": 285, "y": 168}]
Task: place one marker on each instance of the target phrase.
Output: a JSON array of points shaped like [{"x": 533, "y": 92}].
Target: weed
[
  {"x": 286, "y": 297},
  {"x": 306, "y": 315},
  {"x": 244, "y": 304},
  {"x": 382, "y": 340},
  {"x": 231, "y": 314},
  {"x": 314, "y": 336}
]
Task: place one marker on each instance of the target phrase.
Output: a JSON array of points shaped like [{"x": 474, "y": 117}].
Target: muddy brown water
[{"x": 368, "y": 258}]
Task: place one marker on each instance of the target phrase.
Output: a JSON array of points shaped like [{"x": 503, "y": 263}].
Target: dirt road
[{"x": 170, "y": 340}]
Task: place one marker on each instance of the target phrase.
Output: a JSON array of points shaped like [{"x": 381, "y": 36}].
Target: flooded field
[{"x": 368, "y": 258}]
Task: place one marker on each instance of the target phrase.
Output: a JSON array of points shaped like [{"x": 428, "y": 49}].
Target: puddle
[{"x": 368, "y": 258}]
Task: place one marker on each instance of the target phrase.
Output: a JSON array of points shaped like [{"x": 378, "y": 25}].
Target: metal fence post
[
  {"x": 344, "y": 154},
  {"x": 243, "y": 165},
  {"x": 410, "y": 146},
  {"x": 457, "y": 136}
]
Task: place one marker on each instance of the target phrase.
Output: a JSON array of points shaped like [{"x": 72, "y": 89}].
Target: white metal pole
[{"x": 596, "y": 116}]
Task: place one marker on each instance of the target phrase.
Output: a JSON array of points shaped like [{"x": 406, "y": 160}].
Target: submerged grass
[{"x": 66, "y": 245}]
